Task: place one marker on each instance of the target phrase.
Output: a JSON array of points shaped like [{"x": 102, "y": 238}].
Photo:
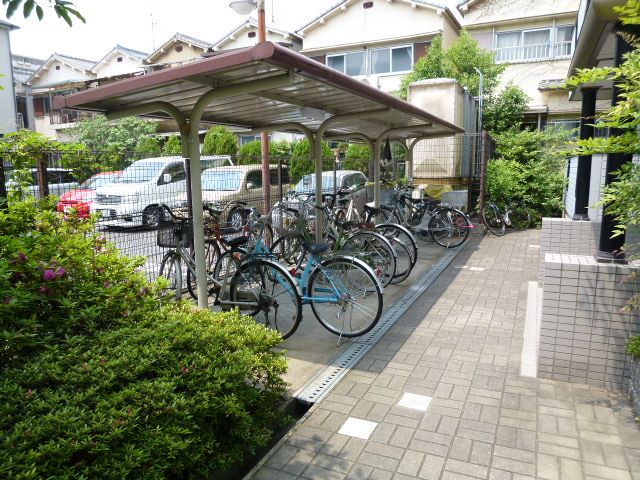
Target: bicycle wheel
[
  {"x": 376, "y": 251},
  {"x": 269, "y": 286},
  {"x": 171, "y": 269},
  {"x": 395, "y": 231},
  {"x": 259, "y": 229},
  {"x": 384, "y": 215},
  {"x": 288, "y": 248},
  {"x": 403, "y": 261},
  {"x": 346, "y": 297},
  {"x": 492, "y": 219},
  {"x": 519, "y": 216},
  {"x": 449, "y": 227},
  {"x": 211, "y": 256},
  {"x": 226, "y": 264}
]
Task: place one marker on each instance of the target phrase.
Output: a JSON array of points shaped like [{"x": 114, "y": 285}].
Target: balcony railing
[
  {"x": 60, "y": 117},
  {"x": 532, "y": 53}
]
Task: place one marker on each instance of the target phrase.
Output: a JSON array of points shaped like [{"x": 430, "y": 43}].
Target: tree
[
  {"x": 301, "y": 163},
  {"x": 219, "y": 140},
  {"x": 503, "y": 111},
  {"x": 459, "y": 61},
  {"x": 101, "y": 134},
  {"x": 173, "y": 146},
  {"x": 148, "y": 147},
  {"x": 64, "y": 9}
]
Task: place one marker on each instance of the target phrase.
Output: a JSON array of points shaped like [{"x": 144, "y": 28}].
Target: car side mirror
[
  {"x": 166, "y": 178},
  {"x": 251, "y": 185}
]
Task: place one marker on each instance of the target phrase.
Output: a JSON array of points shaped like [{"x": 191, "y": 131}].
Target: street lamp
[{"x": 245, "y": 7}]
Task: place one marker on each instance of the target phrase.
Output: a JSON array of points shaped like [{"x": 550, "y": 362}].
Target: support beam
[{"x": 583, "y": 175}]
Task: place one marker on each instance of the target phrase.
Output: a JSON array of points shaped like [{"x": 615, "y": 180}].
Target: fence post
[
  {"x": 43, "y": 178},
  {"x": 483, "y": 169},
  {"x": 4, "y": 197}
]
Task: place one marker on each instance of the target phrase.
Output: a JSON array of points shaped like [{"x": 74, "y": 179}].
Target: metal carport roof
[{"x": 261, "y": 88}]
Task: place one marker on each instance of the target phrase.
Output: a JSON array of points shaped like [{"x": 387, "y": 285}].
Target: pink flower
[
  {"x": 29, "y": 393},
  {"x": 105, "y": 284},
  {"x": 126, "y": 313},
  {"x": 43, "y": 290},
  {"x": 8, "y": 300},
  {"x": 49, "y": 275},
  {"x": 102, "y": 360},
  {"x": 85, "y": 366},
  {"x": 22, "y": 257},
  {"x": 60, "y": 272}
]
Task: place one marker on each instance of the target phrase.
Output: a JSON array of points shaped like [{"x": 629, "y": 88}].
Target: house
[
  {"x": 8, "y": 114},
  {"x": 120, "y": 60},
  {"x": 377, "y": 41},
  {"x": 246, "y": 34},
  {"x": 537, "y": 40},
  {"x": 177, "y": 50}
]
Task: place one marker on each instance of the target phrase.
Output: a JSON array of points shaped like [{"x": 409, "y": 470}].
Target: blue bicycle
[{"x": 342, "y": 291}]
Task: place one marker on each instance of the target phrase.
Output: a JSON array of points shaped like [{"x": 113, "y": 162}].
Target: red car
[{"x": 85, "y": 194}]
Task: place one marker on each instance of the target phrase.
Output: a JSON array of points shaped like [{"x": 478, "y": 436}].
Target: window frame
[
  {"x": 551, "y": 50},
  {"x": 390, "y": 50}
]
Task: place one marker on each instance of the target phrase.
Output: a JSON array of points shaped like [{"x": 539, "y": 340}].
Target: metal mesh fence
[{"x": 125, "y": 189}]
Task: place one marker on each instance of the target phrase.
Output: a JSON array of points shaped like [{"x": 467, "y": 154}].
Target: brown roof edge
[
  {"x": 282, "y": 57},
  {"x": 233, "y": 58}
]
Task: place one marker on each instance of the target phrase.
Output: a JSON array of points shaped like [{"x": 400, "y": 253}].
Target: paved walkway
[{"x": 442, "y": 397}]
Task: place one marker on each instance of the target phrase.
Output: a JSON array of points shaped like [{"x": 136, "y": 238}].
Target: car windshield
[
  {"x": 98, "y": 181},
  {"x": 139, "y": 173},
  {"x": 308, "y": 183},
  {"x": 226, "y": 180}
]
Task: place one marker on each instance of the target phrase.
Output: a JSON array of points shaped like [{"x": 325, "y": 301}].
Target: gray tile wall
[{"x": 583, "y": 329}]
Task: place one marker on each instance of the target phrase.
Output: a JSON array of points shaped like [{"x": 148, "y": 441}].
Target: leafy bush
[
  {"x": 301, "y": 163},
  {"x": 633, "y": 345},
  {"x": 148, "y": 147},
  {"x": 173, "y": 146},
  {"x": 219, "y": 140},
  {"x": 100, "y": 378},
  {"x": 530, "y": 168},
  {"x": 504, "y": 110},
  {"x": 59, "y": 279},
  {"x": 357, "y": 158},
  {"x": 177, "y": 395}
]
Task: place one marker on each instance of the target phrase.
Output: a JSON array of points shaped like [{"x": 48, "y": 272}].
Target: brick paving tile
[{"x": 460, "y": 343}]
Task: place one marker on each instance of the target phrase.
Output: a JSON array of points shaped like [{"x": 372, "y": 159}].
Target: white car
[
  {"x": 133, "y": 199},
  {"x": 344, "y": 179}
]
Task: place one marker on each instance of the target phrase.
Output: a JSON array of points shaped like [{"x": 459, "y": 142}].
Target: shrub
[
  {"x": 177, "y": 395},
  {"x": 59, "y": 279},
  {"x": 301, "y": 163},
  {"x": 173, "y": 146},
  {"x": 219, "y": 140},
  {"x": 633, "y": 345}
]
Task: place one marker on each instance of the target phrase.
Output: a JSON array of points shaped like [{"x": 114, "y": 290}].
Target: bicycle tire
[
  {"x": 288, "y": 248},
  {"x": 376, "y": 251},
  {"x": 253, "y": 232},
  {"x": 171, "y": 269},
  {"x": 402, "y": 233},
  {"x": 519, "y": 216},
  {"x": 211, "y": 255},
  {"x": 221, "y": 265},
  {"x": 449, "y": 227},
  {"x": 277, "y": 293},
  {"x": 403, "y": 261},
  {"x": 360, "y": 294},
  {"x": 384, "y": 215},
  {"x": 493, "y": 220}
]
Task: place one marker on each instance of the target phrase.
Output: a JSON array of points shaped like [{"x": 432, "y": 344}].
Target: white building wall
[
  {"x": 111, "y": 67},
  {"x": 493, "y": 11},
  {"x": 386, "y": 22},
  {"x": 242, "y": 39},
  {"x": 57, "y": 71},
  {"x": 7, "y": 94}
]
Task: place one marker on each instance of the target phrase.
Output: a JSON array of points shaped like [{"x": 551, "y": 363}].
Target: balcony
[
  {"x": 61, "y": 117},
  {"x": 534, "y": 53}
]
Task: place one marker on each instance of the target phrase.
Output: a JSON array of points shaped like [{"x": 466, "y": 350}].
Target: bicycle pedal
[{"x": 214, "y": 289}]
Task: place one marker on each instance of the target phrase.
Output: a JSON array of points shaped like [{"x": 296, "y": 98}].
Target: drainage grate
[{"x": 328, "y": 378}]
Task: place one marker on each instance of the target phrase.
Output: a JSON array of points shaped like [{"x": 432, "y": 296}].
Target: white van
[{"x": 133, "y": 198}]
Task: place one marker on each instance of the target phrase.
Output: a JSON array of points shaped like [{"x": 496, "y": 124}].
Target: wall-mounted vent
[
  {"x": 251, "y": 34},
  {"x": 119, "y": 59},
  {"x": 179, "y": 48},
  {"x": 367, "y": 5}
]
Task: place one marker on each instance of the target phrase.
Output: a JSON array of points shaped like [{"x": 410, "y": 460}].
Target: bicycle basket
[{"x": 172, "y": 234}]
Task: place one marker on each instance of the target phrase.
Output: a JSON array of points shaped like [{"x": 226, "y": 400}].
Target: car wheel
[
  {"x": 237, "y": 220},
  {"x": 151, "y": 216}
]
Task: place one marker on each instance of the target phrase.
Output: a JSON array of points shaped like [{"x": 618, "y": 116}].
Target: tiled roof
[
  {"x": 185, "y": 38},
  {"x": 79, "y": 63},
  {"x": 8, "y": 25},
  {"x": 23, "y": 67},
  {"x": 330, "y": 9},
  {"x": 253, "y": 22},
  {"x": 132, "y": 53}
]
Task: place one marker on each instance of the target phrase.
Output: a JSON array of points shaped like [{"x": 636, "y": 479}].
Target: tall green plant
[
  {"x": 301, "y": 163},
  {"x": 100, "y": 134},
  {"x": 173, "y": 146},
  {"x": 219, "y": 140}
]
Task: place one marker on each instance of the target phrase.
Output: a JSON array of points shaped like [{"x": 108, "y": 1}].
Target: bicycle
[
  {"x": 261, "y": 287},
  {"x": 515, "y": 215},
  {"x": 448, "y": 227},
  {"x": 343, "y": 292}
]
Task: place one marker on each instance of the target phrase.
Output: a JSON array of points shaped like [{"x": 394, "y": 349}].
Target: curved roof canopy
[{"x": 260, "y": 87}]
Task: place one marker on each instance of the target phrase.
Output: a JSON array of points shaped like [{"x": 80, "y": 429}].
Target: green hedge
[{"x": 101, "y": 378}]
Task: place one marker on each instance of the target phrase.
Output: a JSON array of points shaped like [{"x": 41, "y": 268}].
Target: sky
[{"x": 129, "y": 23}]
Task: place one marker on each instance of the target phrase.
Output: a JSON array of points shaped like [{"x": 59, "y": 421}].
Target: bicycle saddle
[
  {"x": 235, "y": 241},
  {"x": 316, "y": 248},
  {"x": 369, "y": 209},
  {"x": 345, "y": 223}
]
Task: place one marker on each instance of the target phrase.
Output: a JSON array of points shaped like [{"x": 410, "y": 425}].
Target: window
[
  {"x": 535, "y": 44},
  {"x": 352, "y": 64},
  {"x": 387, "y": 60},
  {"x": 255, "y": 177},
  {"x": 176, "y": 171},
  {"x": 244, "y": 139},
  {"x": 273, "y": 173}
]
